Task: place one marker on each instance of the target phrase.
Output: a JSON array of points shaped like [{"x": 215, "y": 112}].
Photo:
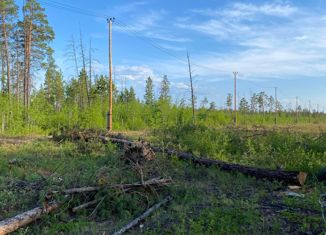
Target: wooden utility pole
[
  {"x": 109, "y": 118},
  {"x": 192, "y": 90},
  {"x": 235, "y": 97},
  {"x": 309, "y": 111},
  {"x": 275, "y": 117}
]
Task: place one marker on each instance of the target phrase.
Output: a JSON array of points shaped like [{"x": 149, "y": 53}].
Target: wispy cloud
[
  {"x": 141, "y": 23},
  {"x": 171, "y": 47},
  {"x": 240, "y": 10},
  {"x": 134, "y": 73},
  {"x": 285, "y": 47},
  {"x": 150, "y": 25}
]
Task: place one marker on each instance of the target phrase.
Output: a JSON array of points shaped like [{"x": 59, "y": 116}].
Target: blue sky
[{"x": 270, "y": 43}]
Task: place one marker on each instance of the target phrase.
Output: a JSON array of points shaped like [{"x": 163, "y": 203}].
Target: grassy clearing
[
  {"x": 206, "y": 200},
  {"x": 260, "y": 147}
]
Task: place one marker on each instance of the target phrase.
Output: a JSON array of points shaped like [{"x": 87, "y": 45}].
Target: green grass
[
  {"x": 260, "y": 147},
  {"x": 205, "y": 200}
]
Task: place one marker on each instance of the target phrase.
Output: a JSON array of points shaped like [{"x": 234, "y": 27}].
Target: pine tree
[
  {"x": 244, "y": 105},
  {"x": 101, "y": 85},
  {"x": 165, "y": 90},
  {"x": 49, "y": 77},
  {"x": 212, "y": 106},
  {"x": 58, "y": 90},
  {"x": 271, "y": 103},
  {"x": 149, "y": 92},
  {"x": 204, "y": 102},
  {"x": 18, "y": 64},
  {"x": 8, "y": 12},
  {"x": 253, "y": 102},
  {"x": 131, "y": 95},
  {"x": 229, "y": 101},
  {"x": 83, "y": 94},
  {"x": 53, "y": 84},
  {"x": 37, "y": 35},
  {"x": 72, "y": 91}
]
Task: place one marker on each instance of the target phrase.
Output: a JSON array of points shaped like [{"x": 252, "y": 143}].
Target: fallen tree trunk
[
  {"x": 12, "y": 224},
  {"x": 143, "y": 216},
  {"x": 288, "y": 177}
]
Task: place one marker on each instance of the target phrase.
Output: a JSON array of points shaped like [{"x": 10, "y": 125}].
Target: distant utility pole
[
  {"x": 235, "y": 97},
  {"x": 192, "y": 90},
  {"x": 309, "y": 110},
  {"x": 275, "y": 117},
  {"x": 109, "y": 118},
  {"x": 296, "y": 109}
]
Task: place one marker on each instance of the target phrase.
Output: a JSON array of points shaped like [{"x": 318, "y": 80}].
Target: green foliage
[
  {"x": 165, "y": 90},
  {"x": 264, "y": 148},
  {"x": 149, "y": 92},
  {"x": 41, "y": 32}
]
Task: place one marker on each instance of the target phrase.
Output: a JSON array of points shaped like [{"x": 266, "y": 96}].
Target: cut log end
[{"x": 302, "y": 176}]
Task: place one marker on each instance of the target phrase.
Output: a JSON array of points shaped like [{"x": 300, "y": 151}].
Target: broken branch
[{"x": 143, "y": 216}]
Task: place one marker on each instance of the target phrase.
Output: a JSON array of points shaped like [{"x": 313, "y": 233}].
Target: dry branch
[
  {"x": 143, "y": 216},
  {"x": 12, "y": 224},
  {"x": 81, "y": 190},
  {"x": 85, "y": 205},
  {"x": 152, "y": 183},
  {"x": 289, "y": 177}
]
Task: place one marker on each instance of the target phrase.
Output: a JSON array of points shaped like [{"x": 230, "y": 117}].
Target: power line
[
  {"x": 70, "y": 8},
  {"x": 127, "y": 29}
]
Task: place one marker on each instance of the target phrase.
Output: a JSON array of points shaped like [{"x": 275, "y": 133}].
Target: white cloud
[
  {"x": 166, "y": 37},
  {"x": 180, "y": 85},
  {"x": 287, "y": 47},
  {"x": 269, "y": 9},
  {"x": 149, "y": 25},
  {"x": 134, "y": 73},
  {"x": 240, "y": 10},
  {"x": 220, "y": 29},
  {"x": 141, "y": 23}
]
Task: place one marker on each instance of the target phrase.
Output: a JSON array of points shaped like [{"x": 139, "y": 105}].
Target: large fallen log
[
  {"x": 12, "y": 224},
  {"x": 288, "y": 177},
  {"x": 142, "y": 217}
]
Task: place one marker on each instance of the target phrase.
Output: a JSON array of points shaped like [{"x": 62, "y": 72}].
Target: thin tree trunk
[
  {"x": 84, "y": 67},
  {"x": 27, "y": 59},
  {"x": 2, "y": 71},
  {"x": 74, "y": 51},
  {"x": 6, "y": 51},
  {"x": 18, "y": 69},
  {"x": 90, "y": 63}
]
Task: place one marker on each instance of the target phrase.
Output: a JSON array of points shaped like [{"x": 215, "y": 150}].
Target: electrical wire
[{"x": 136, "y": 33}]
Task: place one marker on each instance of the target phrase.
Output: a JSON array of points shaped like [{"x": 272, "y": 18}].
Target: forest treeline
[{"x": 82, "y": 102}]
